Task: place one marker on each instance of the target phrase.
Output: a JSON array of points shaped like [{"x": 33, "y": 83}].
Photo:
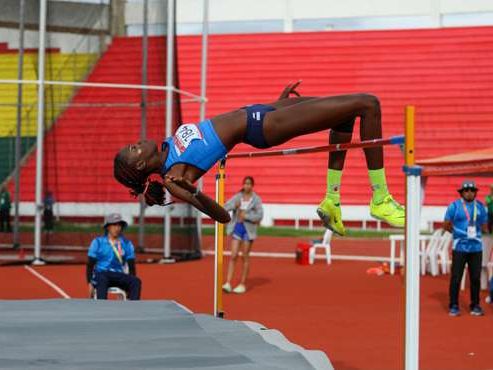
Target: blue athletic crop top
[{"x": 196, "y": 145}]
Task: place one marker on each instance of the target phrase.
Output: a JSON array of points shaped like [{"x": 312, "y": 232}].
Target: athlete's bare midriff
[{"x": 230, "y": 127}]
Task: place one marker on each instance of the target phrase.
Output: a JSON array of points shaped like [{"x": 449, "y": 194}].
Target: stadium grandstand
[
  {"x": 428, "y": 67},
  {"x": 118, "y": 71}
]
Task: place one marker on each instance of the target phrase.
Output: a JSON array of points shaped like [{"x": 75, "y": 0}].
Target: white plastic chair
[
  {"x": 324, "y": 245},
  {"x": 428, "y": 261},
  {"x": 120, "y": 293},
  {"x": 442, "y": 253},
  {"x": 438, "y": 255}
]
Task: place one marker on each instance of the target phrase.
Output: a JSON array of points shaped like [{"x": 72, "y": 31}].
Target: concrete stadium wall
[
  {"x": 68, "y": 22},
  {"x": 239, "y": 16}
]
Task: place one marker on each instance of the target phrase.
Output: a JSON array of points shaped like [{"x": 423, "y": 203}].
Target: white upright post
[
  {"x": 203, "y": 89},
  {"x": 40, "y": 134},
  {"x": 170, "y": 49},
  {"x": 413, "y": 183},
  {"x": 412, "y": 265}
]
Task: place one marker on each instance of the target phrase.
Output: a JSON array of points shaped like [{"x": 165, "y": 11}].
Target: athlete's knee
[
  {"x": 369, "y": 103},
  {"x": 344, "y": 128}
]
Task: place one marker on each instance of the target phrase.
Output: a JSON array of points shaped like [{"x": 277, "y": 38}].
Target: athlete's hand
[
  {"x": 182, "y": 182},
  {"x": 290, "y": 89},
  {"x": 91, "y": 290}
]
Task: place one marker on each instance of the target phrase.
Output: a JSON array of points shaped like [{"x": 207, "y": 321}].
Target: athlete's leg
[
  {"x": 320, "y": 114},
  {"x": 247, "y": 246},
  {"x": 331, "y": 113},
  {"x": 329, "y": 209},
  {"x": 235, "y": 248},
  {"x": 291, "y": 101}
]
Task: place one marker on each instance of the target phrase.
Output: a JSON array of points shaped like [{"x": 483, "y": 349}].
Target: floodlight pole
[
  {"x": 143, "y": 114},
  {"x": 40, "y": 134},
  {"x": 170, "y": 45},
  {"x": 18, "y": 135},
  {"x": 412, "y": 265},
  {"x": 203, "y": 91}
]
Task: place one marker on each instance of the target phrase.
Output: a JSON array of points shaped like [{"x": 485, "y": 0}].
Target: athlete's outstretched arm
[{"x": 186, "y": 191}]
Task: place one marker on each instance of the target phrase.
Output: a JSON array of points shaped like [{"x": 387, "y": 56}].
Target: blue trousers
[{"x": 107, "y": 279}]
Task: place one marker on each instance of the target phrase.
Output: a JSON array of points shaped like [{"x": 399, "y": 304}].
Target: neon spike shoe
[
  {"x": 389, "y": 211},
  {"x": 330, "y": 214}
]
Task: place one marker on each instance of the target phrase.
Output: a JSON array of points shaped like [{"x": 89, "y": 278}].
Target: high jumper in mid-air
[{"x": 195, "y": 148}]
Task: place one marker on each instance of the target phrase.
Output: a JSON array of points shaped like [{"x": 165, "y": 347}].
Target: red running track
[{"x": 355, "y": 318}]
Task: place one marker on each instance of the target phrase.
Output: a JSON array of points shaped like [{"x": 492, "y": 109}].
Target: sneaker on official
[
  {"x": 330, "y": 214},
  {"x": 227, "y": 287},
  {"x": 388, "y": 210},
  {"x": 488, "y": 299},
  {"x": 477, "y": 311},
  {"x": 454, "y": 311},
  {"x": 240, "y": 289}
]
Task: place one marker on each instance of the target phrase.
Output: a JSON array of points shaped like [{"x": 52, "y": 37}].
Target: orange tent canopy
[{"x": 475, "y": 163}]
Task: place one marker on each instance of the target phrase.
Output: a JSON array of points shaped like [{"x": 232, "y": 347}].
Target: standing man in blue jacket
[
  {"x": 466, "y": 218},
  {"x": 110, "y": 256}
]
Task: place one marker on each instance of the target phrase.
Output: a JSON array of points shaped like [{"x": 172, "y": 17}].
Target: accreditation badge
[{"x": 471, "y": 232}]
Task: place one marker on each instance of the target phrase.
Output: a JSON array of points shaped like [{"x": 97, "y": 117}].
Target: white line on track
[{"x": 48, "y": 282}]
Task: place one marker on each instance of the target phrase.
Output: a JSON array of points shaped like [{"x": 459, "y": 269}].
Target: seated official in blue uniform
[{"x": 111, "y": 256}]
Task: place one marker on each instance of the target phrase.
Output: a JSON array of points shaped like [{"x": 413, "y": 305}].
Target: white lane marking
[{"x": 48, "y": 282}]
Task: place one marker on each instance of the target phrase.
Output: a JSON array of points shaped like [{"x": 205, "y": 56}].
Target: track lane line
[{"x": 48, "y": 282}]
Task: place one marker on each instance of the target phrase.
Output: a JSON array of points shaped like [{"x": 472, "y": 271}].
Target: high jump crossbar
[
  {"x": 413, "y": 206},
  {"x": 394, "y": 140}
]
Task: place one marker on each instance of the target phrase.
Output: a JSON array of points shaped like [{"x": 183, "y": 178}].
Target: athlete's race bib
[{"x": 184, "y": 136}]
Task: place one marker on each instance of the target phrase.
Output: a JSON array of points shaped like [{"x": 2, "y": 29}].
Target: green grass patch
[{"x": 209, "y": 230}]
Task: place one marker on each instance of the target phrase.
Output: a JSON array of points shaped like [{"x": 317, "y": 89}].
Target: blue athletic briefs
[
  {"x": 196, "y": 145},
  {"x": 255, "y": 125},
  {"x": 455, "y": 214},
  {"x": 240, "y": 232},
  {"x": 102, "y": 251}
]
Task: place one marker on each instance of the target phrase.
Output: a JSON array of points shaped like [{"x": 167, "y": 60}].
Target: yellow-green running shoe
[
  {"x": 389, "y": 211},
  {"x": 330, "y": 214}
]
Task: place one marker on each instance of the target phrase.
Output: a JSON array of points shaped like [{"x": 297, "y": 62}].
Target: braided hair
[{"x": 138, "y": 181}]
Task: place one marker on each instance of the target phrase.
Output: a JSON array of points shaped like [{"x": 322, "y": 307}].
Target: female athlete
[{"x": 194, "y": 149}]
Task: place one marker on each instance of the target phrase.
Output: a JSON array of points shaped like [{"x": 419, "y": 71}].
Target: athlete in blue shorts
[{"x": 194, "y": 149}]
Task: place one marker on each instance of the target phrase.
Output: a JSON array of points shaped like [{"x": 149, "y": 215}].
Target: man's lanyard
[
  {"x": 468, "y": 216},
  {"x": 118, "y": 252}
]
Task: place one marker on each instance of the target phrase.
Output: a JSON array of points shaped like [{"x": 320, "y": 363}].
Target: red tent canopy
[{"x": 475, "y": 163}]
